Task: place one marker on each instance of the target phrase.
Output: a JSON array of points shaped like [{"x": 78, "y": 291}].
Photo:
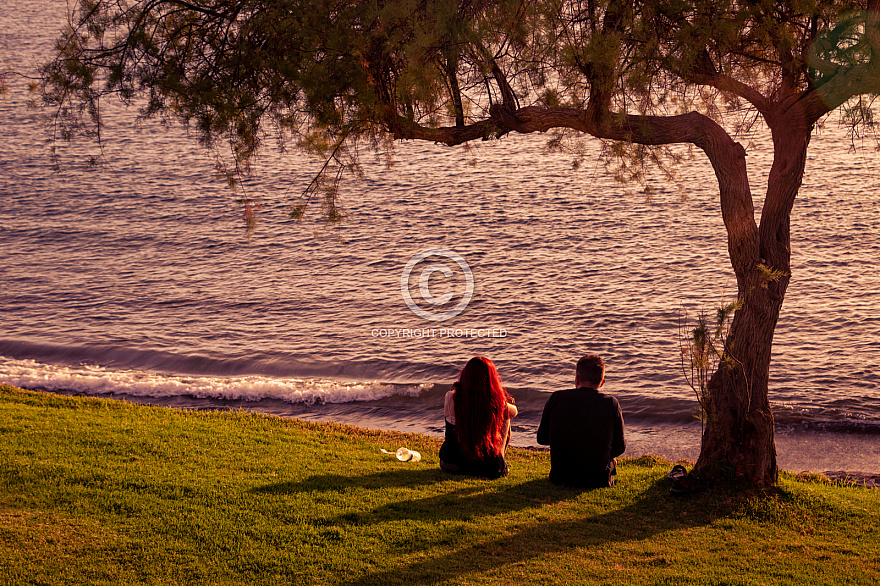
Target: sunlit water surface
[{"x": 133, "y": 279}]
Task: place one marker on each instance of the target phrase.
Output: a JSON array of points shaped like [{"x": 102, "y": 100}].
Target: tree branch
[
  {"x": 402, "y": 128},
  {"x": 726, "y": 156},
  {"x": 728, "y": 84},
  {"x": 507, "y": 96}
]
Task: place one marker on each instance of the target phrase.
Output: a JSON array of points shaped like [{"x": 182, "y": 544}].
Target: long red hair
[{"x": 480, "y": 409}]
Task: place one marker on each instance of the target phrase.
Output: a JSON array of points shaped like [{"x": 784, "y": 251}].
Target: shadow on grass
[
  {"x": 651, "y": 512},
  {"x": 465, "y": 498},
  {"x": 341, "y": 482},
  {"x": 464, "y": 504}
]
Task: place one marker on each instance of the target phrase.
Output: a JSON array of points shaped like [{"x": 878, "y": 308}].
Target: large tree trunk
[{"x": 739, "y": 433}]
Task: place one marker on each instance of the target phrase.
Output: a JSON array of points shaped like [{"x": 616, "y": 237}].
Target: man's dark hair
[{"x": 591, "y": 369}]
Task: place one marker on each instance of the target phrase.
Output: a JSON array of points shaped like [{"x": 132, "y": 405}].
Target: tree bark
[
  {"x": 738, "y": 438},
  {"x": 739, "y": 433}
]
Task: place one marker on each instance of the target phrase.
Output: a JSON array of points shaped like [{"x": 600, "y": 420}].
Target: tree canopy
[{"x": 327, "y": 75}]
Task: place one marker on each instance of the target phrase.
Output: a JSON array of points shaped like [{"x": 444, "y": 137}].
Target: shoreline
[{"x": 845, "y": 477}]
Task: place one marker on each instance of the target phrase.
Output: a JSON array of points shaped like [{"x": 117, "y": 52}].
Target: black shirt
[{"x": 584, "y": 429}]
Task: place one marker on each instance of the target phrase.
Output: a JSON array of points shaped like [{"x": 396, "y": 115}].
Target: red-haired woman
[{"x": 478, "y": 412}]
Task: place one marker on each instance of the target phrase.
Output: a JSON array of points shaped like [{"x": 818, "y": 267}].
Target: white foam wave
[{"x": 96, "y": 380}]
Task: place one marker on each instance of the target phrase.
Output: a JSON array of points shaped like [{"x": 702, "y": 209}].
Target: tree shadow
[
  {"x": 653, "y": 511},
  {"x": 466, "y": 503},
  {"x": 340, "y": 482},
  {"x": 474, "y": 497}
]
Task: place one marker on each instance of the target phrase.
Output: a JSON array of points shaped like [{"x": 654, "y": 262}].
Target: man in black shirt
[{"x": 584, "y": 429}]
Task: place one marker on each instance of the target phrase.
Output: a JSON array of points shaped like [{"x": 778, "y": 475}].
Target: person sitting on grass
[
  {"x": 477, "y": 412},
  {"x": 584, "y": 429}
]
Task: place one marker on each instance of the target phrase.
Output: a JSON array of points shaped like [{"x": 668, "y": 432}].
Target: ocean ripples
[{"x": 141, "y": 264}]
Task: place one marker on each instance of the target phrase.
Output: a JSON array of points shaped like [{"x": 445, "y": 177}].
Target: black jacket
[{"x": 584, "y": 429}]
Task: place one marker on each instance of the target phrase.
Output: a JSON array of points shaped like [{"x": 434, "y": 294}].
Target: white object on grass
[{"x": 405, "y": 455}]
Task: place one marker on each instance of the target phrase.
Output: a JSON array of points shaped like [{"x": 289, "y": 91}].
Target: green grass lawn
[{"x": 103, "y": 492}]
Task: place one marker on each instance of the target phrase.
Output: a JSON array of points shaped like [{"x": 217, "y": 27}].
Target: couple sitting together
[{"x": 583, "y": 427}]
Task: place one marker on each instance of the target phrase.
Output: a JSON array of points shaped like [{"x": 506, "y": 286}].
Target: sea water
[{"x": 133, "y": 278}]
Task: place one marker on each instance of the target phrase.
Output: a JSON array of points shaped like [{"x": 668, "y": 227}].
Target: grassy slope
[{"x": 103, "y": 492}]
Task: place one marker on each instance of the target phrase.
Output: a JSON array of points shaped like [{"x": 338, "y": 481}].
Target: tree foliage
[
  {"x": 328, "y": 74},
  {"x": 702, "y": 348}
]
